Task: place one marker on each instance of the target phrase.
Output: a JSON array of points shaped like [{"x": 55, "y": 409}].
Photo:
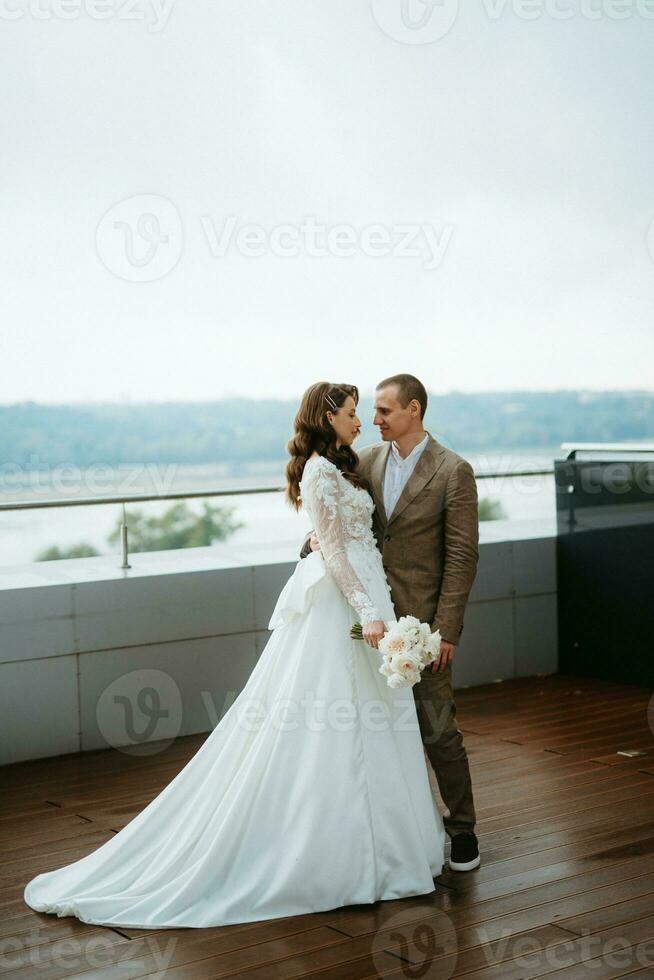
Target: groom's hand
[
  {"x": 446, "y": 657},
  {"x": 314, "y": 542}
]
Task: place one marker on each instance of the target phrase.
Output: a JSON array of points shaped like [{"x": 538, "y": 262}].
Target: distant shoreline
[{"x": 249, "y": 436}]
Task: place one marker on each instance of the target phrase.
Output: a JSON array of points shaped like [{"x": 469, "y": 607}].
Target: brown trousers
[{"x": 443, "y": 743}]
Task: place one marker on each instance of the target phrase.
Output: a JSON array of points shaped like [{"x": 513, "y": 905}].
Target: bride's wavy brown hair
[{"x": 314, "y": 433}]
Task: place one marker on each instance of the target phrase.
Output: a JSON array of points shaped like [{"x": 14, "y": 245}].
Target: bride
[{"x": 312, "y": 791}]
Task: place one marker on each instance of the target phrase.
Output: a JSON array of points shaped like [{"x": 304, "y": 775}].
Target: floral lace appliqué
[{"x": 342, "y": 517}]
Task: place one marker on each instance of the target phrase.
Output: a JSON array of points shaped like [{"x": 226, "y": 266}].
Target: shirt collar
[{"x": 416, "y": 451}]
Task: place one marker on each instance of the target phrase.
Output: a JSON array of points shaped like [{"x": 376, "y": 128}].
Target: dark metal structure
[{"x": 605, "y": 559}]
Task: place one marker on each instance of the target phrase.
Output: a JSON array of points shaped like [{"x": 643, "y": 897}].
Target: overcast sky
[{"x": 465, "y": 194}]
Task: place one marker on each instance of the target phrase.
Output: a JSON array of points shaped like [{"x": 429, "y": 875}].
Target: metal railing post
[{"x": 124, "y": 541}]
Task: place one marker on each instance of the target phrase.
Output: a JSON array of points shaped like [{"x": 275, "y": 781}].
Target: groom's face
[{"x": 392, "y": 419}]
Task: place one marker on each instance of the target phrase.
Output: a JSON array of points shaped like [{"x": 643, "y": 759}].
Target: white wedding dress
[{"x": 312, "y": 791}]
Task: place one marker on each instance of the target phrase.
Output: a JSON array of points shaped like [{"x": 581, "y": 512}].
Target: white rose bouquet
[{"x": 408, "y": 647}]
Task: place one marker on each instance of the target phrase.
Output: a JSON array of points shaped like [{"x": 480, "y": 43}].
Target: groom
[{"x": 427, "y": 528}]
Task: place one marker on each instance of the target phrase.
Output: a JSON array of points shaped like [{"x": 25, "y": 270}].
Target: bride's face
[{"x": 345, "y": 422}]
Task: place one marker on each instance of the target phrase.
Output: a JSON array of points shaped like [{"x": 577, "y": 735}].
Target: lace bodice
[{"x": 342, "y": 518}]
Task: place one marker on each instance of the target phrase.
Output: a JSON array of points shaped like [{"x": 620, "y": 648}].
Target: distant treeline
[{"x": 243, "y": 430}]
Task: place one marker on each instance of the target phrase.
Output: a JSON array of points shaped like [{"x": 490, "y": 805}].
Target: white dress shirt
[{"x": 397, "y": 473}]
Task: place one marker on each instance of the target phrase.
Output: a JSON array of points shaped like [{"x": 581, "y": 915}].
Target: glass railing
[{"x": 47, "y": 521}]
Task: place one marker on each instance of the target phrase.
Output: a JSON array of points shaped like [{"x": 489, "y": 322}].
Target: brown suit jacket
[{"x": 430, "y": 543}]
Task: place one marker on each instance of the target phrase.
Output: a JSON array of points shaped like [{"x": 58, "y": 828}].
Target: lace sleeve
[{"x": 322, "y": 493}]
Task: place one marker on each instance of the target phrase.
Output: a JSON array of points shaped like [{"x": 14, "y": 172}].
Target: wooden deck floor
[{"x": 566, "y": 888}]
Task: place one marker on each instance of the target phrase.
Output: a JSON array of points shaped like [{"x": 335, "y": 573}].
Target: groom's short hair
[{"x": 408, "y": 388}]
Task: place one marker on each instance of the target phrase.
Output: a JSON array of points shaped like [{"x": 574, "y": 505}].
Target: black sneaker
[{"x": 464, "y": 855}]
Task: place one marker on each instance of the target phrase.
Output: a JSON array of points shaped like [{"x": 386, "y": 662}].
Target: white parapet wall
[{"x": 93, "y": 656}]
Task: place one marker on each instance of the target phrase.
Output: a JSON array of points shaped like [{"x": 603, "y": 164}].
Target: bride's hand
[{"x": 373, "y": 632}]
